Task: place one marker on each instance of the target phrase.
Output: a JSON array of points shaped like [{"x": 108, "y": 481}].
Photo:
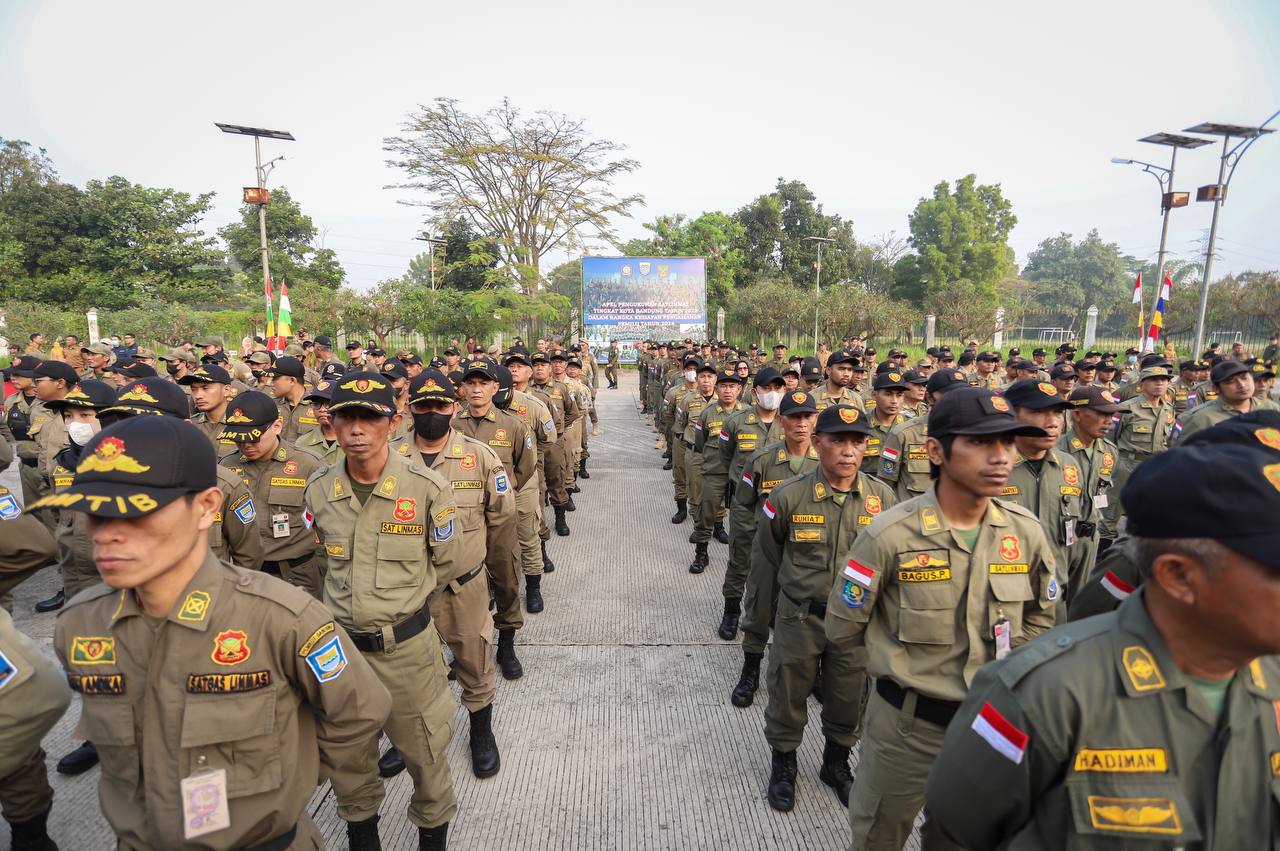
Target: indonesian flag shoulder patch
[
  {"x": 769, "y": 510},
  {"x": 1117, "y": 587},
  {"x": 997, "y": 731},
  {"x": 890, "y": 453},
  {"x": 859, "y": 573}
]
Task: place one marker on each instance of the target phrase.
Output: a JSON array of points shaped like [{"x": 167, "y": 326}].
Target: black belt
[
  {"x": 371, "y": 642},
  {"x": 292, "y": 562},
  {"x": 929, "y": 709},
  {"x": 815, "y": 608},
  {"x": 280, "y": 843},
  {"x": 472, "y": 574}
]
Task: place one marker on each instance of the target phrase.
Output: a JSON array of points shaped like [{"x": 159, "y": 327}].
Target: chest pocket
[
  {"x": 873, "y": 448},
  {"x": 1009, "y": 593},
  {"x": 808, "y": 546},
  {"x": 470, "y": 502},
  {"x": 398, "y": 557},
  {"x": 917, "y": 458},
  {"x": 1138, "y": 812},
  {"x": 289, "y": 497},
  {"x": 236, "y": 733},
  {"x": 108, "y": 723},
  {"x": 928, "y": 595}
]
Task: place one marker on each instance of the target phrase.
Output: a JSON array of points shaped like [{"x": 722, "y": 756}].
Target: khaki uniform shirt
[
  {"x": 300, "y": 418},
  {"x": 277, "y": 485},
  {"x": 578, "y": 399},
  {"x": 314, "y": 442},
  {"x": 1056, "y": 497},
  {"x": 1144, "y": 429},
  {"x": 1212, "y": 413},
  {"x": 556, "y": 396},
  {"x": 871, "y": 460},
  {"x": 388, "y": 556},
  {"x": 49, "y": 432},
  {"x": 846, "y": 396},
  {"x": 741, "y": 435},
  {"x": 924, "y": 605},
  {"x": 904, "y": 464},
  {"x": 688, "y": 409},
  {"x": 247, "y": 676},
  {"x": 1092, "y": 738},
  {"x": 706, "y": 435},
  {"x": 1097, "y": 466},
  {"x": 23, "y": 404},
  {"x": 994, "y": 381},
  {"x": 672, "y": 409},
  {"x": 234, "y": 535},
  {"x": 1201, "y": 393},
  {"x": 33, "y": 696},
  {"x": 1181, "y": 392},
  {"x": 508, "y": 436},
  {"x": 536, "y": 416}
]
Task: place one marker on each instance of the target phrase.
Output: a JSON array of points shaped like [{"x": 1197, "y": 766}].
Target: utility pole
[
  {"x": 431, "y": 241},
  {"x": 817, "y": 282}
]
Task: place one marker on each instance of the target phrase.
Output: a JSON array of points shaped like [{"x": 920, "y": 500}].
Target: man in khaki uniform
[
  {"x": 508, "y": 437},
  {"x": 288, "y": 385},
  {"x": 1086, "y": 442},
  {"x": 53, "y": 379},
  {"x": 1234, "y": 383},
  {"x": 768, "y": 467},
  {"x": 210, "y": 389},
  {"x": 97, "y": 357},
  {"x": 1126, "y": 730},
  {"x": 684, "y": 430},
  {"x": 487, "y": 515},
  {"x": 262, "y": 689},
  {"x": 556, "y": 397},
  {"x": 575, "y": 372},
  {"x": 1144, "y": 427},
  {"x": 321, "y": 441},
  {"x": 884, "y": 412},
  {"x": 575, "y": 416},
  {"x": 538, "y": 417},
  {"x": 934, "y": 589},
  {"x": 275, "y": 471},
  {"x": 26, "y": 545},
  {"x": 390, "y": 534},
  {"x": 712, "y": 470},
  {"x": 21, "y": 410},
  {"x": 809, "y": 524},
  {"x": 33, "y": 696},
  {"x": 904, "y": 464},
  {"x": 672, "y": 409},
  {"x": 611, "y": 367}
]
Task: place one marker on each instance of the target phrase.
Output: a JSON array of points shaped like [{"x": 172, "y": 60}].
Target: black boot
[
  {"x": 682, "y": 511},
  {"x": 669, "y": 464},
  {"x": 571, "y": 490},
  {"x": 748, "y": 681},
  {"x": 391, "y": 763},
  {"x": 533, "y": 594},
  {"x": 782, "y": 781},
  {"x": 699, "y": 558},
  {"x": 507, "y": 661},
  {"x": 363, "y": 835},
  {"x": 729, "y": 623},
  {"x": 485, "y": 760},
  {"x": 667, "y": 455},
  {"x": 433, "y": 838},
  {"x": 720, "y": 534},
  {"x": 32, "y": 834},
  {"x": 79, "y": 760},
  {"x": 582, "y": 470},
  {"x": 816, "y": 691},
  {"x": 53, "y": 603},
  {"x": 562, "y": 528},
  {"x": 835, "y": 770},
  {"x": 568, "y": 503},
  {"x": 549, "y": 566}
]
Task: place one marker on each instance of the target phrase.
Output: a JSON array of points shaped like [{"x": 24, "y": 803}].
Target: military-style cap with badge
[
  {"x": 59, "y": 370},
  {"x": 976, "y": 411},
  {"x": 289, "y": 367},
  {"x": 393, "y": 370},
  {"x": 842, "y": 356},
  {"x": 132, "y": 369},
  {"x": 890, "y": 380},
  {"x": 332, "y": 370},
  {"x": 811, "y": 369},
  {"x": 431, "y": 385},
  {"x": 1035, "y": 395},
  {"x": 842, "y": 419},
  {"x": 322, "y": 392},
  {"x": 208, "y": 373},
  {"x": 363, "y": 391},
  {"x": 249, "y": 416},
  {"x": 482, "y": 367},
  {"x": 261, "y": 357},
  {"x": 88, "y": 394},
  {"x": 1094, "y": 398},
  {"x": 179, "y": 354},
  {"x": 151, "y": 396},
  {"x": 797, "y": 402},
  {"x": 766, "y": 376}
]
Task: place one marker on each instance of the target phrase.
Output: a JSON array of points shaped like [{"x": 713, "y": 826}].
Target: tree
[
  {"x": 290, "y": 237},
  {"x": 766, "y": 307},
  {"x": 774, "y": 231},
  {"x": 715, "y": 236},
  {"x": 957, "y": 235},
  {"x": 965, "y": 310},
  {"x": 1071, "y": 276},
  {"x": 533, "y": 183},
  {"x": 848, "y": 310},
  {"x": 20, "y": 165}
]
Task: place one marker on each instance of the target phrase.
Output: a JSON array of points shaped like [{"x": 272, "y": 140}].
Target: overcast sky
[{"x": 868, "y": 104}]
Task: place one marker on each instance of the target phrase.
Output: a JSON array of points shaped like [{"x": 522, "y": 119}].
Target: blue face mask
[{"x": 1133, "y": 358}]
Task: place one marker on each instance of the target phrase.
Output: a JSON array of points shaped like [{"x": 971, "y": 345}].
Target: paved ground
[{"x": 621, "y": 734}]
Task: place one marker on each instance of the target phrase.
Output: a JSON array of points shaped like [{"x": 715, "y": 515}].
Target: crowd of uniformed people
[
  {"x": 261, "y": 560},
  {"x": 921, "y": 548}
]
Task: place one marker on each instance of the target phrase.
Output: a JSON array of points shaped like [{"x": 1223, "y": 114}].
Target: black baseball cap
[
  {"x": 889, "y": 381},
  {"x": 911, "y": 376},
  {"x": 692, "y": 361},
  {"x": 1036, "y": 352},
  {"x": 538, "y": 357},
  {"x": 1107, "y": 366},
  {"x": 249, "y": 416},
  {"x": 767, "y": 375},
  {"x": 1063, "y": 370},
  {"x": 394, "y": 369},
  {"x": 431, "y": 385},
  {"x": 289, "y": 367},
  {"x": 366, "y": 391},
  {"x": 377, "y": 352},
  {"x": 730, "y": 376},
  {"x": 353, "y": 345},
  {"x": 811, "y": 369},
  {"x": 452, "y": 350},
  {"x": 332, "y": 370},
  {"x": 479, "y": 366},
  {"x": 137, "y": 466},
  {"x": 57, "y": 369},
  {"x": 842, "y": 419},
  {"x": 1025, "y": 365},
  {"x": 25, "y": 366},
  {"x": 977, "y": 411},
  {"x": 410, "y": 359},
  {"x": 966, "y": 358},
  {"x": 323, "y": 391},
  {"x": 216, "y": 357},
  {"x": 1166, "y": 498},
  {"x": 88, "y": 394},
  {"x": 1034, "y": 395},
  {"x": 945, "y": 379},
  {"x": 323, "y": 340},
  {"x": 797, "y": 402},
  {"x": 842, "y": 356},
  {"x": 1223, "y": 371},
  {"x": 131, "y": 369},
  {"x": 1094, "y": 398},
  {"x": 989, "y": 357},
  {"x": 209, "y": 373},
  {"x": 155, "y": 396},
  {"x": 559, "y": 354},
  {"x": 518, "y": 356}
]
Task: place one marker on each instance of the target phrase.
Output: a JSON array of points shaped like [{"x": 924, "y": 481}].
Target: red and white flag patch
[
  {"x": 859, "y": 573},
  {"x": 890, "y": 454},
  {"x": 750, "y": 482},
  {"x": 1117, "y": 587},
  {"x": 997, "y": 731},
  {"x": 769, "y": 510},
  {"x": 724, "y": 435}
]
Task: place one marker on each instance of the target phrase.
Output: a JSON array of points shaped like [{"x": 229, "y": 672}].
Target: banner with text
[{"x": 644, "y": 291}]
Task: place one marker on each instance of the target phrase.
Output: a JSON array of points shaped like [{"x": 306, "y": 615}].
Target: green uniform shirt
[
  {"x": 706, "y": 436},
  {"x": 688, "y": 408},
  {"x": 1144, "y": 428},
  {"x": 1211, "y": 413},
  {"x": 1054, "y": 495},
  {"x": 871, "y": 463},
  {"x": 904, "y": 464},
  {"x": 741, "y": 435},
  {"x": 314, "y": 442},
  {"x": 1091, "y": 738},
  {"x": 1097, "y": 465},
  {"x": 924, "y": 604}
]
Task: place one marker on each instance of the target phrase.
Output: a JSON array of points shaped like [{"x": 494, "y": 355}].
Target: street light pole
[
  {"x": 1217, "y": 193},
  {"x": 817, "y": 284},
  {"x": 262, "y": 212},
  {"x": 431, "y": 241}
]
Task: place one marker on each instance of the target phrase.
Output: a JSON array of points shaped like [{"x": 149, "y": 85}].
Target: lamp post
[
  {"x": 1216, "y": 192},
  {"x": 817, "y": 282},
  {"x": 1168, "y": 198},
  {"x": 431, "y": 241},
  {"x": 260, "y": 196}
]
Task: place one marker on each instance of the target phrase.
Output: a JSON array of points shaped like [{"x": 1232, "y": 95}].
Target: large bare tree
[{"x": 533, "y": 183}]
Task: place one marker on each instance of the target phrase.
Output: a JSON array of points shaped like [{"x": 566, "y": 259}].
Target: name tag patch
[
  {"x": 808, "y": 518},
  {"x": 227, "y": 683},
  {"x": 940, "y": 574},
  {"x": 92, "y": 684},
  {"x": 287, "y": 482},
  {"x": 402, "y": 529},
  {"x": 1122, "y": 760},
  {"x": 467, "y": 485},
  {"x": 999, "y": 569}
]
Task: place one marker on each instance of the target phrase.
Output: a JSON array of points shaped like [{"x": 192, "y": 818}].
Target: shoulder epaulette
[
  {"x": 258, "y": 584},
  {"x": 1063, "y": 640}
]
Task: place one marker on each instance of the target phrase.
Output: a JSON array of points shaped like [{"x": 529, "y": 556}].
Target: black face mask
[
  {"x": 502, "y": 399},
  {"x": 431, "y": 425},
  {"x": 171, "y": 367}
]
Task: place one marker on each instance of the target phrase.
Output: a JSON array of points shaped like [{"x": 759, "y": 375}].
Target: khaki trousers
[
  {"x": 679, "y": 476},
  {"x": 693, "y": 478},
  {"x": 553, "y": 467},
  {"x": 898, "y": 750},
  {"x": 529, "y": 509},
  {"x": 420, "y": 726},
  {"x": 711, "y": 503},
  {"x": 465, "y": 624},
  {"x": 742, "y": 529}
]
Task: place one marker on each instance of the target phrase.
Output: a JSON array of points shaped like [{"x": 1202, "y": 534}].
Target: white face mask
[
  {"x": 769, "y": 399},
  {"x": 690, "y": 375},
  {"x": 82, "y": 432}
]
